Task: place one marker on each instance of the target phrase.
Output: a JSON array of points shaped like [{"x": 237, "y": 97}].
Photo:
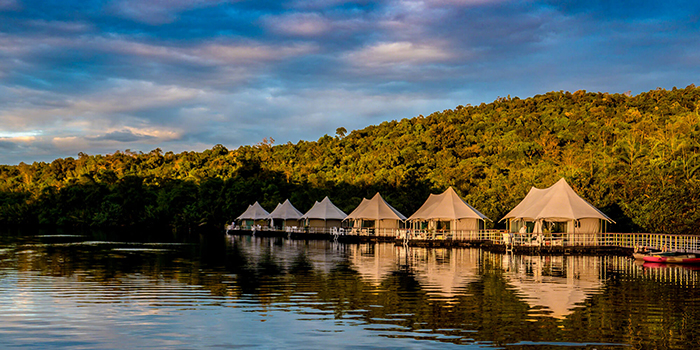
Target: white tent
[
  {"x": 254, "y": 213},
  {"x": 448, "y": 206},
  {"x": 556, "y": 204},
  {"x": 377, "y": 212},
  {"x": 287, "y": 213},
  {"x": 324, "y": 214}
]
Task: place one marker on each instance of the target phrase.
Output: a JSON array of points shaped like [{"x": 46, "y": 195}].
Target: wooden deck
[{"x": 566, "y": 243}]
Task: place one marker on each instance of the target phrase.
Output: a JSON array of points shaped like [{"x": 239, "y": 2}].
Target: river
[{"x": 99, "y": 290}]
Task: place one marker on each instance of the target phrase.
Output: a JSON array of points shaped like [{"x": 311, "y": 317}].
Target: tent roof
[
  {"x": 254, "y": 212},
  {"x": 324, "y": 210},
  {"x": 446, "y": 206},
  {"x": 285, "y": 211},
  {"x": 375, "y": 209},
  {"x": 532, "y": 197},
  {"x": 558, "y": 201}
]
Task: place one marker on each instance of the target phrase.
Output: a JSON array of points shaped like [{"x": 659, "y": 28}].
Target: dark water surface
[{"x": 166, "y": 292}]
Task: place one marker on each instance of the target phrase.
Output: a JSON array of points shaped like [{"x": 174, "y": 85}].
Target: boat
[{"x": 668, "y": 257}]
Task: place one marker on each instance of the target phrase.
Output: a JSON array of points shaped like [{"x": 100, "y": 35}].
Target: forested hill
[{"x": 634, "y": 157}]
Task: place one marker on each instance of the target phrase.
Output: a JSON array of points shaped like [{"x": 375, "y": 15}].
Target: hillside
[{"x": 634, "y": 157}]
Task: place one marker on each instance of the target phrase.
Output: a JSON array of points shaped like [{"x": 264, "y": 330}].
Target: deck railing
[
  {"x": 689, "y": 243},
  {"x": 460, "y": 235}
]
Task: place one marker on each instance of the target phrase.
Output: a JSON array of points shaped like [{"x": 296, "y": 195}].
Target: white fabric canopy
[
  {"x": 286, "y": 211},
  {"x": 324, "y": 210},
  {"x": 446, "y": 206},
  {"x": 254, "y": 212},
  {"x": 556, "y": 203},
  {"x": 375, "y": 209}
]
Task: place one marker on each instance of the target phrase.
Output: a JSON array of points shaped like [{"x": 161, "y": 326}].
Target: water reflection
[
  {"x": 215, "y": 291},
  {"x": 556, "y": 284}
]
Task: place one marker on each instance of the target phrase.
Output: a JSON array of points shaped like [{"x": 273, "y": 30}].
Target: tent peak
[{"x": 375, "y": 209}]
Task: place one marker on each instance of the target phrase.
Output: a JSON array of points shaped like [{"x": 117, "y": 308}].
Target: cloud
[
  {"x": 232, "y": 54},
  {"x": 70, "y": 143},
  {"x": 383, "y": 54},
  {"x": 121, "y": 136},
  {"x": 292, "y": 115},
  {"x": 61, "y": 26},
  {"x": 300, "y": 24},
  {"x": 185, "y": 75},
  {"x": 18, "y": 46},
  {"x": 6, "y": 5},
  {"x": 115, "y": 109},
  {"x": 448, "y": 3},
  {"x": 22, "y": 136},
  {"x": 125, "y": 96},
  {"x": 7, "y": 145},
  {"x": 157, "y": 12}
]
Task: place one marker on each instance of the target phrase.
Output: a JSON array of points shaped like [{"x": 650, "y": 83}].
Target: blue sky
[{"x": 100, "y": 76}]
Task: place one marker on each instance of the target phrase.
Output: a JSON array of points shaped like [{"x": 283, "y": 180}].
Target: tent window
[
  {"x": 443, "y": 225},
  {"x": 367, "y": 223}
]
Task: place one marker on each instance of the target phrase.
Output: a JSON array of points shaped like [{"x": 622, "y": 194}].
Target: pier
[{"x": 493, "y": 239}]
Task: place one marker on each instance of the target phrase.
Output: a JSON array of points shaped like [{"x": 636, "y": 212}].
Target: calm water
[{"x": 143, "y": 291}]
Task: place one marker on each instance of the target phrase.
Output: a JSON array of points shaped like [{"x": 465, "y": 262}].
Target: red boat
[{"x": 668, "y": 257}]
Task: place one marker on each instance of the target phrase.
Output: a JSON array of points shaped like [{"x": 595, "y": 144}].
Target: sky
[{"x": 185, "y": 75}]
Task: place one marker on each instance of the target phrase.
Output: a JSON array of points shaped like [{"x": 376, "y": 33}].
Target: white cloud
[
  {"x": 126, "y": 96},
  {"x": 301, "y": 24},
  {"x": 19, "y": 138},
  {"x": 403, "y": 53},
  {"x": 71, "y": 144},
  {"x": 210, "y": 53},
  {"x": 252, "y": 53},
  {"x": 18, "y": 46},
  {"x": 61, "y": 26},
  {"x": 114, "y": 109}
]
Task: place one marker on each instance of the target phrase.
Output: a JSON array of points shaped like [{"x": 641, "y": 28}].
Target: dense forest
[{"x": 634, "y": 157}]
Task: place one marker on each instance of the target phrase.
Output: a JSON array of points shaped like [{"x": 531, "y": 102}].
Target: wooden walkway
[{"x": 496, "y": 239}]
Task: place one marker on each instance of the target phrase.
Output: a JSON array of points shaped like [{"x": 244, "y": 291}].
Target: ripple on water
[{"x": 132, "y": 295}]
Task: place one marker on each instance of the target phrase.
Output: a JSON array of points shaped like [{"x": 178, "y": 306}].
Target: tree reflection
[{"x": 454, "y": 295}]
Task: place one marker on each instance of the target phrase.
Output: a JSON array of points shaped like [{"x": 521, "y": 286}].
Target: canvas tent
[
  {"x": 254, "y": 213},
  {"x": 447, "y": 212},
  {"x": 324, "y": 214},
  {"x": 287, "y": 214},
  {"x": 376, "y": 216},
  {"x": 557, "y": 206}
]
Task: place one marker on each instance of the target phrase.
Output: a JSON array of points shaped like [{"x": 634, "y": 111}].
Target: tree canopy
[{"x": 634, "y": 157}]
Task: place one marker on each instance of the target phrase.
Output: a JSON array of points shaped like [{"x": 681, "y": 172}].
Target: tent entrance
[{"x": 443, "y": 225}]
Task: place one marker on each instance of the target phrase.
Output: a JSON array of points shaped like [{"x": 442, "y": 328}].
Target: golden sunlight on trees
[{"x": 635, "y": 157}]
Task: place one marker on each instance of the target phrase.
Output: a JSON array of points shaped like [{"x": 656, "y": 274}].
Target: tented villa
[
  {"x": 556, "y": 209},
  {"x": 554, "y": 219},
  {"x": 375, "y": 217},
  {"x": 254, "y": 215},
  {"x": 285, "y": 216},
  {"x": 323, "y": 217},
  {"x": 446, "y": 215}
]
